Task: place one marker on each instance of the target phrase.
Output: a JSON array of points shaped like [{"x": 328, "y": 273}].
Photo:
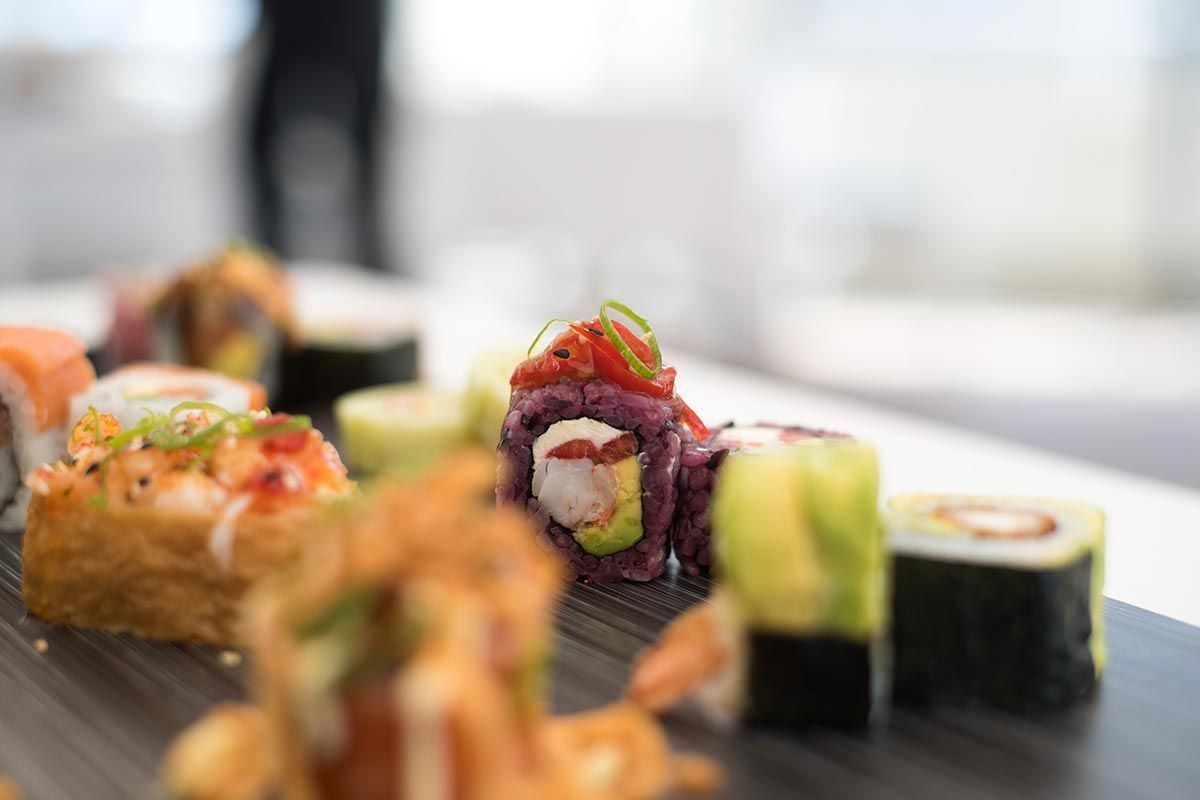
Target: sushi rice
[{"x": 129, "y": 392}]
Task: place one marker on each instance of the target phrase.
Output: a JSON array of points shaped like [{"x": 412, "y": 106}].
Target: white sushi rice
[
  {"x": 29, "y": 449},
  {"x": 129, "y": 392},
  {"x": 947, "y": 528}
]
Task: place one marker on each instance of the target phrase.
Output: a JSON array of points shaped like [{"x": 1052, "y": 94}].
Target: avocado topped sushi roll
[
  {"x": 996, "y": 600},
  {"x": 795, "y": 634},
  {"x": 591, "y": 446},
  {"x": 691, "y": 533}
]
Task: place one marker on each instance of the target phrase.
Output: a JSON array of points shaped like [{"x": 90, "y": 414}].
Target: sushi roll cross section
[
  {"x": 796, "y": 633},
  {"x": 591, "y": 447},
  {"x": 996, "y": 600},
  {"x": 128, "y": 392},
  {"x": 691, "y": 532},
  {"x": 232, "y": 313},
  {"x": 39, "y": 372},
  {"x": 160, "y": 529}
]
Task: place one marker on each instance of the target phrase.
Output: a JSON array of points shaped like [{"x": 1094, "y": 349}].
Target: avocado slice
[
  {"x": 765, "y": 551},
  {"x": 798, "y": 538},
  {"x": 624, "y": 529}
]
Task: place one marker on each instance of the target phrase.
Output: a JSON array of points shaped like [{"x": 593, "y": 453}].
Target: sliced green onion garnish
[
  {"x": 96, "y": 427},
  {"x": 640, "y": 367},
  {"x": 542, "y": 332}
]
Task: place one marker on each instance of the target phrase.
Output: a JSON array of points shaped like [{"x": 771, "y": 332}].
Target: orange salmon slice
[{"x": 53, "y": 366}]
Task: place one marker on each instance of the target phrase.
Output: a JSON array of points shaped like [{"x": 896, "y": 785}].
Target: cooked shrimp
[
  {"x": 83, "y": 436},
  {"x": 691, "y": 652}
]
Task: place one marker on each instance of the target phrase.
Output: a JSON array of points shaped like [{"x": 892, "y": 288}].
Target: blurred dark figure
[{"x": 314, "y": 134}]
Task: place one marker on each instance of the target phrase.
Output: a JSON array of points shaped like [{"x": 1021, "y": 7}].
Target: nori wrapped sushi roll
[
  {"x": 691, "y": 534},
  {"x": 795, "y": 636},
  {"x": 591, "y": 446},
  {"x": 800, "y": 546},
  {"x": 996, "y": 600},
  {"x": 333, "y": 360}
]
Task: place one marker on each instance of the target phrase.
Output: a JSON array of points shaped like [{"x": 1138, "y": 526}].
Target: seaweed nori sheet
[
  {"x": 1015, "y": 639},
  {"x": 802, "y": 680},
  {"x": 319, "y": 373}
]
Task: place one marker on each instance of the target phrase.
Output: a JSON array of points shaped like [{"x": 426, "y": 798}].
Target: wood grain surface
[{"x": 91, "y": 716}]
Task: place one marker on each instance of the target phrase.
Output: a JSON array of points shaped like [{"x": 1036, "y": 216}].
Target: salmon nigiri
[{"x": 40, "y": 370}]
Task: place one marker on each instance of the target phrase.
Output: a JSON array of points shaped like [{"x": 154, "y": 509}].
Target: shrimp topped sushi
[
  {"x": 591, "y": 446},
  {"x": 160, "y": 529},
  {"x": 39, "y": 372}
]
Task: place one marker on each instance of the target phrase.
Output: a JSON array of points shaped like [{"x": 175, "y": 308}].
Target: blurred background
[{"x": 987, "y": 213}]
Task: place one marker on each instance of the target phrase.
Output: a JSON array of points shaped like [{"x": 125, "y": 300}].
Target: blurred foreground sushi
[
  {"x": 591, "y": 446},
  {"x": 996, "y": 600},
  {"x": 691, "y": 531},
  {"x": 39, "y": 372},
  {"x": 231, "y": 313},
  {"x": 408, "y": 662},
  {"x": 795, "y": 635}
]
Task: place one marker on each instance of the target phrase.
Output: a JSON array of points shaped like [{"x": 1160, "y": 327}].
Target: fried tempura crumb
[
  {"x": 696, "y": 774},
  {"x": 224, "y": 756},
  {"x": 41, "y": 645},
  {"x": 231, "y": 658},
  {"x": 9, "y": 790}
]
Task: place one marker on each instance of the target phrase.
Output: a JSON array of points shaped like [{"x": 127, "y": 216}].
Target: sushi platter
[
  {"x": 558, "y": 582},
  {"x": 92, "y": 716}
]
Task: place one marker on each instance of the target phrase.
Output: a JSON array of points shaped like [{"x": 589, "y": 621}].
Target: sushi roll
[
  {"x": 409, "y": 663},
  {"x": 795, "y": 636},
  {"x": 485, "y": 401},
  {"x": 129, "y": 392},
  {"x": 691, "y": 534},
  {"x": 400, "y": 429},
  {"x": 591, "y": 447},
  {"x": 996, "y": 600},
  {"x": 232, "y": 314},
  {"x": 161, "y": 529},
  {"x": 334, "y": 360},
  {"x": 39, "y": 372}
]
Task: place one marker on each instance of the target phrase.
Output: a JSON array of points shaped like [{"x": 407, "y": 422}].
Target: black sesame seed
[
  {"x": 144, "y": 481},
  {"x": 92, "y": 469},
  {"x": 562, "y": 352},
  {"x": 595, "y": 332}
]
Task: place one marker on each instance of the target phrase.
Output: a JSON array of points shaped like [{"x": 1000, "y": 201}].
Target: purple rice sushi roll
[
  {"x": 691, "y": 534},
  {"x": 592, "y": 445}
]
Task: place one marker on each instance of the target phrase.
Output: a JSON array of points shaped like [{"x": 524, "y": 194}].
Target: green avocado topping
[
  {"x": 799, "y": 540},
  {"x": 624, "y": 529}
]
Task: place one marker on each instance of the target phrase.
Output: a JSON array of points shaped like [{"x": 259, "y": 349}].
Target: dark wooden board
[{"x": 91, "y": 716}]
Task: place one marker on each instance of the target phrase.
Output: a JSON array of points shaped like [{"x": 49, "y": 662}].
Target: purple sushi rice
[
  {"x": 691, "y": 535},
  {"x": 533, "y": 411}
]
